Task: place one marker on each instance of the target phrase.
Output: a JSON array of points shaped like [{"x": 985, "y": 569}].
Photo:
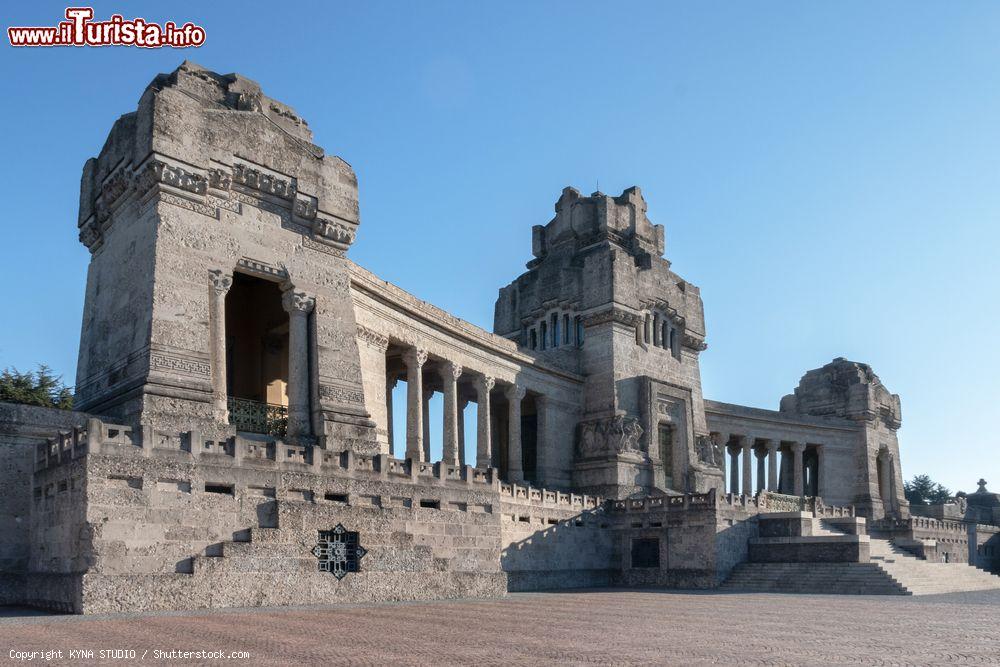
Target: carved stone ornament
[
  {"x": 709, "y": 452},
  {"x": 220, "y": 281},
  {"x": 297, "y": 302},
  {"x": 156, "y": 171},
  {"x": 263, "y": 182},
  {"x": 485, "y": 384},
  {"x": 603, "y": 437},
  {"x": 373, "y": 338}
]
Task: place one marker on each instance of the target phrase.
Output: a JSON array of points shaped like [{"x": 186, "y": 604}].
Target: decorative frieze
[
  {"x": 220, "y": 179},
  {"x": 263, "y": 269},
  {"x": 614, "y": 435},
  {"x": 305, "y": 208},
  {"x": 156, "y": 171},
  {"x": 255, "y": 179},
  {"x": 116, "y": 185},
  {"x": 373, "y": 338},
  {"x": 612, "y": 314},
  {"x": 184, "y": 202},
  {"x": 159, "y": 361},
  {"x": 333, "y": 233},
  {"x": 341, "y": 394}
]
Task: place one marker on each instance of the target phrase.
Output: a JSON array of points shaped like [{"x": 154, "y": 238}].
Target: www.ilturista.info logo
[{"x": 80, "y": 30}]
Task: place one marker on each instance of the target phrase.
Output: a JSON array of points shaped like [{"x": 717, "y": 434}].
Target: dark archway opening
[{"x": 256, "y": 356}]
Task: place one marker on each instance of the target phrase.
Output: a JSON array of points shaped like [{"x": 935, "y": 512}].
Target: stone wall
[
  {"x": 22, "y": 429},
  {"x": 933, "y": 539},
  {"x": 554, "y": 540}
]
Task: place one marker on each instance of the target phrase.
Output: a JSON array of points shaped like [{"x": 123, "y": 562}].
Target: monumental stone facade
[{"x": 235, "y": 399}]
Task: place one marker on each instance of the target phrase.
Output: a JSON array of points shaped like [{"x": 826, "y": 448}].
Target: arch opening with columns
[{"x": 260, "y": 347}]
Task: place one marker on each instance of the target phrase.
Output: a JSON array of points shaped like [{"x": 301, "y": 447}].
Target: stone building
[{"x": 235, "y": 407}]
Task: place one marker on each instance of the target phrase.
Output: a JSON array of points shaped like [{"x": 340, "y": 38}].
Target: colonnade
[
  {"x": 417, "y": 437},
  {"x": 797, "y": 460}
]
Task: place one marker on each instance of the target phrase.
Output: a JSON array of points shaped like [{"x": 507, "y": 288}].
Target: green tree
[
  {"x": 41, "y": 388},
  {"x": 922, "y": 490}
]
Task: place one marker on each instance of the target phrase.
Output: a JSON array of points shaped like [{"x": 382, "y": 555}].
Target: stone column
[
  {"x": 820, "y": 476},
  {"x": 515, "y": 469},
  {"x": 885, "y": 481},
  {"x": 462, "y": 404},
  {"x": 298, "y": 305},
  {"x": 484, "y": 449},
  {"x": 390, "y": 384},
  {"x": 797, "y": 449},
  {"x": 450, "y": 372},
  {"x": 415, "y": 360},
  {"x": 746, "y": 443},
  {"x": 761, "y": 455},
  {"x": 772, "y": 465},
  {"x": 734, "y": 470},
  {"x": 220, "y": 284},
  {"x": 426, "y": 421}
]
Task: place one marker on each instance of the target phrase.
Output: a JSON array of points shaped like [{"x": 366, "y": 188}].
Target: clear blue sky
[{"x": 828, "y": 173}]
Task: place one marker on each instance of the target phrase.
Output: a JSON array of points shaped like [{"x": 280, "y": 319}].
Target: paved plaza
[{"x": 599, "y": 627}]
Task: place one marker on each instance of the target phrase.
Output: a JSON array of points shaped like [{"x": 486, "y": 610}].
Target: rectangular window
[
  {"x": 579, "y": 331},
  {"x": 646, "y": 552},
  {"x": 566, "y": 332},
  {"x": 555, "y": 330},
  {"x": 430, "y": 504},
  {"x": 666, "y": 447},
  {"x": 224, "y": 489}
]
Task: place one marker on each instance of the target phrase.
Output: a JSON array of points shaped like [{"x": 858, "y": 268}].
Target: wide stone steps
[
  {"x": 816, "y": 578},
  {"x": 891, "y": 571}
]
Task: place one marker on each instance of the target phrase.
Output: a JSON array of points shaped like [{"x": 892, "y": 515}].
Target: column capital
[
  {"x": 450, "y": 370},
  {"x": 415, "y": 358},
  {"x": 294, "y": 302},
  {"x": 514, "y": 392},
  {"x": 221, "y": 282},
  {"x": 485, "y": 384},
  {"x": 391, "y": 380},
  {"x": 798, "y": 447},
  {"x": 746, "y": 441},
  {"x": 773, "y": 445}
]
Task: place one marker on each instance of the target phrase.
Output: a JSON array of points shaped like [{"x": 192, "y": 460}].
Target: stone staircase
[
  {"x": 828, "y": 578},
  {"x": 921, "y": 577},
  {"x": 890, "y": 571}
]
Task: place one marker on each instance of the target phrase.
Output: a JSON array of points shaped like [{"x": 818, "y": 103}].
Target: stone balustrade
[
  {"x": 528, "y": 495},
  {"x": 660, "y": 503},
  {"x": 919, "y": 522},
  {"x": 70, "y": 445},
  {"x": 101, "y": 438},
  {"x": 755, "y": 504}
]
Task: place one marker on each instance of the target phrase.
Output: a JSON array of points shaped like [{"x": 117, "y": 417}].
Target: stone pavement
[{"x": 600, "y": 627}]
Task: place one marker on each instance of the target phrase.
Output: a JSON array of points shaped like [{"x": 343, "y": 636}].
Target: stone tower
[
  {"x": 599, "y": 299},
  {"x": 851, "y": 390},
  {"x": 209, "y": 194}
]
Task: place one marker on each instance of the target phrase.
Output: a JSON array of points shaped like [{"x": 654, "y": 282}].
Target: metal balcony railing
[{"x": 257, "y": 417}]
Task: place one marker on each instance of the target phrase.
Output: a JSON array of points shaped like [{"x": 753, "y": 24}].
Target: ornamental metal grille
[
  {"x": 256, "y": 417},
  {"x": 338, "y": 551}
]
